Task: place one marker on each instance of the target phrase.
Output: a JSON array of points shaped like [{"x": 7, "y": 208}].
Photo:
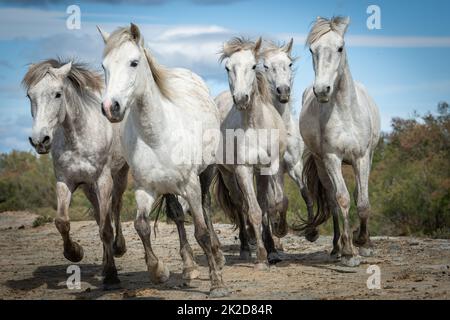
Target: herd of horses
[{"x": 147, "y": 120}]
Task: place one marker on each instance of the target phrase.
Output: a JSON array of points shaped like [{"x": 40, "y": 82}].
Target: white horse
[
  {"x": 85, "y": 148},
  {"x": 250, "y": 110},
  {"x": 278, "y": 65},
  {"x": 339, "y": 123},
  {"x": 169, "y": 109}
]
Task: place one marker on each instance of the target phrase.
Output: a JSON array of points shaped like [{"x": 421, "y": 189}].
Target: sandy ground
[{"x": 32, "y": 267}]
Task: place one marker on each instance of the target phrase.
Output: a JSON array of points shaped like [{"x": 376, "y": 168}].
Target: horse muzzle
[{"x": 41, "y": 147}]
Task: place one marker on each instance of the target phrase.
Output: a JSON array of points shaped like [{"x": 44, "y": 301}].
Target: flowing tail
[
  {"x": 319, "y": 195},
  {"x": 166, "y": 204},
  {"x": 225, "y": 201}
]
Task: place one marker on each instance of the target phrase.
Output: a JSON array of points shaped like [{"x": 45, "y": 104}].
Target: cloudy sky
[{"x": 405, "y": 65}]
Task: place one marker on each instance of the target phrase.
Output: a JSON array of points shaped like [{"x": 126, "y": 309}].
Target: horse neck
[
  {"x": 284, "y": 109},
  {"x": 74, "y": 122},
  {"x": 345, "y": 95},
  {"x": 253, "y": 116},
  {"x": 147, "y": 111}
]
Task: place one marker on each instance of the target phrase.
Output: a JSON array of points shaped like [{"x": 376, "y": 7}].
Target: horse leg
[
  {"x": 328, "y": 185},
  {"x": 157, "y": 270},
  {"x": 206, "y": 178},
  {"x": 91, "y": 194},
  {"x": 262, "y": 182},
  {"x": 72, "y": 250},
  {"x": 244, "y": 176},
  {"x": 236, "y": 197},
  {"x": 362, "y": 168},
  {"x": 295, "y": 173},
  {"x": 193, "y": 195},
  {"x": 104, "y": 187},
  {"x": 175, "y": 212},
  {"x": 119, "y": 186},
  {"x": 333, "y": 166}
]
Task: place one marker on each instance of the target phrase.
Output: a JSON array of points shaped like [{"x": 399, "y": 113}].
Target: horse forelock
[
  {"x": 270, "y": 47},
  {"x": 235, "y": 45},
  {"x": 160, "y": 73},
  {"x": 79, "y": 77},
  {"x": 322, "y": 26}
]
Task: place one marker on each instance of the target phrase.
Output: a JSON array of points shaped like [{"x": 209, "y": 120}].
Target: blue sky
[{"x": 405, "y": 65}]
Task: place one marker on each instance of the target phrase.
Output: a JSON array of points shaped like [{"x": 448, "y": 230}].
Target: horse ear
[
  {"x": 342, "y": 26},
  {"x": 288, "y": 47},
  {"x": 104, "y": 34},
  {"x": 62, "y": 71},
  {"x": 257, "y": 46},
  {"x": 135, "y": 32}
]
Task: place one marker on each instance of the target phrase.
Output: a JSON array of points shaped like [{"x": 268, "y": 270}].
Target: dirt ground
[{"x": 32, "y": 266}]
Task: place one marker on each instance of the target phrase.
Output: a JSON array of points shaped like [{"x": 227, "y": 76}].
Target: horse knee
[
  {"x": 343, "y": 200},
  {"x": 142, "y": 227},
  {"x": 106, "y": 232}
]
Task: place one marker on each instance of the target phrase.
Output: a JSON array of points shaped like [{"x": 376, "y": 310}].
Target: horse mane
[
  {"x": 160, "y": 73},
  {"x": 322, "y": 26},
  {"x": 263, "y": 87},
  {"x": 271, "y": 47},
  {"x": 80, "y": 77},
  {"x": 234, "y": 45}
]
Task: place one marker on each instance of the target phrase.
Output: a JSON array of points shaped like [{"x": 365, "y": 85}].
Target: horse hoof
[
  {"x": 190, "y": 273},
  {"x": 119, "y": 247},
  {"x": 74, "y": 252},
  {"x": 350, "y": 261},
  {"x": 220, "y": 259},
  {"x": 245, "y": 255},
  {"x": 111, "y": 281},
  {"x": 274, "y": 258},
  {"x": 365, "y": 251},
  {"x": 161, "y": 274},
  {"x": 312, "y": 235},
  {"x": 261, "y": 266},
  {"x": 220, "y": 292}
]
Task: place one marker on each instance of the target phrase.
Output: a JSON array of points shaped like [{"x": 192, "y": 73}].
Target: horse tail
[
  {"x": 168, "y": 205},
  {"x": 319, "y": 195},
  {"x": 225, "y": 201}
]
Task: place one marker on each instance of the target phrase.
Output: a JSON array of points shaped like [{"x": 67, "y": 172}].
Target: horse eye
[
  {"x": 58, "y": 95},
  {"x": 266, "y": 67},
  {"x": 341, "y": 49},
  {"x": 228, "y": 69},
  {"x": 134, "y": 63},
  {"x": 254, "y": 67},
  {"x": 290, "y": 65},
  {"x": 310, "y": 50}
]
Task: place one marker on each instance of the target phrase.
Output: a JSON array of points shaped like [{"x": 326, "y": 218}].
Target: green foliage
[{"x": 409, "y": 183}]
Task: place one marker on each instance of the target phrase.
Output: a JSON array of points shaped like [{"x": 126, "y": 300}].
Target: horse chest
[{"x": 79, "y": 167}]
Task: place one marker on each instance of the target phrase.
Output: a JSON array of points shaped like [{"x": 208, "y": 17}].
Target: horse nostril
[
  {"x": 328, "y": 89},
  {"x": 46, "y": 140},
  {"x": 115, "y": 107},
  {"x": 246, "y": 97},
  {"x": 278, "y": 90},
  {"x": 31, "y": 142}
]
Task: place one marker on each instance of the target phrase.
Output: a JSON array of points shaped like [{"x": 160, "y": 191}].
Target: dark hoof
[
  {"x": 219, "y": 293},
  {"x": 245, "y": 255},
  {"x": 119, "y": 247},
  {"x": 312, "y": 235},
  {"x": 74, "y": 252},
  {"x": 111, "y": 282},
  {"x": 274, "y": 258}
]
